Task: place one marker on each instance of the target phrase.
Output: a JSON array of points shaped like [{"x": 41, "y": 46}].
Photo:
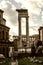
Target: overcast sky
[{"x": 35, "y": 12}]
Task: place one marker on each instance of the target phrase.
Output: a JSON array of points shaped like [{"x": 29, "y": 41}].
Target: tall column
[
  {"x": 27, "y": 31},
  {"x": 20, "y": 37}
]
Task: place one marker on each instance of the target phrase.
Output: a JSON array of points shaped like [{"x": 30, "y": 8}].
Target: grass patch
[
  {"x": 6, "y": 62},
  {"x": 26, "y": 61}
]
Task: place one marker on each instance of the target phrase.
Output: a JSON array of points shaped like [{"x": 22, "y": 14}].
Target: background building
[
  {"x": 41, "y": 33},
  {"x": 32, "y": 39}
]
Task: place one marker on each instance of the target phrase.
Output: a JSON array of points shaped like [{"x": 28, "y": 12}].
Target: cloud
[
  {"x": 9, "y": 14},
  {"x": 34, "y": 8},
  {"x": 16, "y": 4},
  {"x": 9, "y": 10}
]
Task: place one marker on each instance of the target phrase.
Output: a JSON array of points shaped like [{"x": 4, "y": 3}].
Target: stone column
[
  {"x": 20, "y": 37},
  {"x": 27, "y": 31}
]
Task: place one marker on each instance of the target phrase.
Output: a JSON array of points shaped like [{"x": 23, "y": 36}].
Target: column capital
[{"x": 27, "y": 17}]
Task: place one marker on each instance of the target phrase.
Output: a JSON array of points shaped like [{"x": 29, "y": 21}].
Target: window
[
  {"x": 3, "y": 35},
  {"x": 7, "y": 36},
  {"x": 0, "y": 35}
]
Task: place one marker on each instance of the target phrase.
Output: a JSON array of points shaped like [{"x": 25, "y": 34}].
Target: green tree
[
  {"x": 23, "y": 61},
  {"x": 38, "y": 46}
]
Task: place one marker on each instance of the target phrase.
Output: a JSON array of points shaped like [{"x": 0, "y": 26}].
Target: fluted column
[
  {"x": 20, "y": 36},
  {"x": 27, "y": 31}
]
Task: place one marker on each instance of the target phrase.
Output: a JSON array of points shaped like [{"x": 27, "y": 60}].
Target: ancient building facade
[
  {"x": 5, "y": 43},
  {"x": 4, "y": 35},
  {"x": 4, "y": 30}
]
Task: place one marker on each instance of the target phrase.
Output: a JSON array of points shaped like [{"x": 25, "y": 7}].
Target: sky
[{"x": 35, "y": 13}]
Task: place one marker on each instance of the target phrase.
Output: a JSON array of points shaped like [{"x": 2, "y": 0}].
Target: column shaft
[
  {"x": 27, "y": 31},
  {"x": 20, "y": 36}
]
